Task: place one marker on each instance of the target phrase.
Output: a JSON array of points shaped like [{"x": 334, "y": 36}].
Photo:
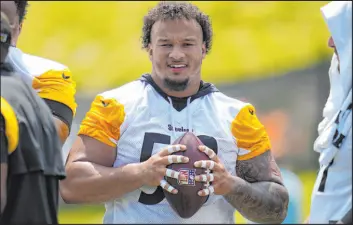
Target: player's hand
[
  {"x": 218, "y": 175},
  {"x": 155, "y": 167}
]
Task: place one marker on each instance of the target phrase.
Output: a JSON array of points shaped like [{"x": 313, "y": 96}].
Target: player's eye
[
  {"x": 166, "y": 45},
  {"x": 188, "y": 44}
]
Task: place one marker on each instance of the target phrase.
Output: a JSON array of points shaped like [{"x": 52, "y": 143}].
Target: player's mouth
[{"x": 177, "y": 68}]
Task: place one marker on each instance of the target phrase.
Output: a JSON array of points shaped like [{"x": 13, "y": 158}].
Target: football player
[
  {"x": 31, "y": 160},
  {"x": 52, "y": 81},
  {"x": 332, "y": 194},
  {"x": 124, "y": 142}
]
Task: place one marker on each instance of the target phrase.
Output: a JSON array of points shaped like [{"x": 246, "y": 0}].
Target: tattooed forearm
[
  {"x": 258, "y": 192},
  {"x": 263, "y": 202}
]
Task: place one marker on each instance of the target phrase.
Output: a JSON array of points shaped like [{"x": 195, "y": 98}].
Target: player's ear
[
  {"x": 203, "y": 50},
  {"x": 150, "y": 51}
]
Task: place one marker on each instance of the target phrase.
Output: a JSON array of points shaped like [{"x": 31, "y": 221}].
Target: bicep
[
  {"x": 259, "y": 168},
  {"x": 88, "y": 149},
  {"x": 59, "y": 94},
  {"x": 255, "y": 161}
]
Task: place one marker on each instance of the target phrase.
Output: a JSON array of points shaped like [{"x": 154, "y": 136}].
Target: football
[{"x": 187, "y": 202}]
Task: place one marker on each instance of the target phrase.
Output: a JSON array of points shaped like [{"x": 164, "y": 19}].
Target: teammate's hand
[
  {"x": 218, "y": 175},
  {"x": 155, "y": 167}
]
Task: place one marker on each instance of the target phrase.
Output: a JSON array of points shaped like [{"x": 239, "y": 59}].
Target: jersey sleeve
[
  {"x": 11, "y": 125},
  {"x": 103, "y": 120},
  {"x": 57, "y": 85},
  {"x": 250, "y": 135}
]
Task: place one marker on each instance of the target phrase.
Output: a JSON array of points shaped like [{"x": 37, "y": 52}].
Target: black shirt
[{"x": 36, "y": 165}]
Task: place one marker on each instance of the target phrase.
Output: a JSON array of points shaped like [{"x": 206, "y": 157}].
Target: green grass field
[{"x": 94, "y": 213}]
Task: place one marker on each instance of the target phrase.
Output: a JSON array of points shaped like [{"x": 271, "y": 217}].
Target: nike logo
[
  {"x": 105, "y": 104},
  {"x": 64, "y": 76},
  {"x": 251, "y": 111}
]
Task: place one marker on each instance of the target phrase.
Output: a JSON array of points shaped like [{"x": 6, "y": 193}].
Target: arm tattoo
[{"x": 258, "y": 192}]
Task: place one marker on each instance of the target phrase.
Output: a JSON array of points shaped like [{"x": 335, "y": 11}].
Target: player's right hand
[{"x": 155, "y": 170}]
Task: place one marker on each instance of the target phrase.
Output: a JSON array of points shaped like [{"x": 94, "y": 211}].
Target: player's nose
[
  {"x": 331, "y": 43},
  {"x": 177, "y": 54}
]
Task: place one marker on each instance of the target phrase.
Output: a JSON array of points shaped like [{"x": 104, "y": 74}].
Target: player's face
[
  {"x": 176, "y": 52},
  {"x": 10, "y": 9},
  {"x": 331, "y": 44}
]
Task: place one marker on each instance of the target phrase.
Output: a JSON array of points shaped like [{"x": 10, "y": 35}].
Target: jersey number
[{"x": 148, "y": 141}]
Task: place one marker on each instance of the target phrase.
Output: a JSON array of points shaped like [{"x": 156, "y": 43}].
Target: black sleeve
[
  {"x": 4, "y": 146},
  {"x": 347, "y": 219},
  {"x": 63, "y": 112}
]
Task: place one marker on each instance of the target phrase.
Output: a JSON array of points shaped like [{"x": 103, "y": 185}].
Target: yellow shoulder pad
[
  {"x": 57, "y": 85},
  {"x": 103, "y": 120},
  {"x": 250, "y": 135}
]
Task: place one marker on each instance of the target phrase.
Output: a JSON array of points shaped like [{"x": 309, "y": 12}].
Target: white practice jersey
[
  {"x": 139, "y": 120},
  {"x": 332, "y": 193},
  {"x": 50, "y": 79}
]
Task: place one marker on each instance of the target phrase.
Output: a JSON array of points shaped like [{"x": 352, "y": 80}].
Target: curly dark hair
[
  {"x": 21, "y": 9},
  {"x": 176, "y": 10}
]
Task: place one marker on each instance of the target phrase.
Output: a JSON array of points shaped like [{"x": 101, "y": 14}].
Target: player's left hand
[{"x": 218, "y": 175}]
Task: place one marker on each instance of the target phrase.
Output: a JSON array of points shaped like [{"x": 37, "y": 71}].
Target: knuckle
[{"x": 155, "y": 159}]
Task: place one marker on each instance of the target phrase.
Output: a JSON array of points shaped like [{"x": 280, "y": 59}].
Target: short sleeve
[
  {"x": 57, "y": 85},
  {"x": 250, "y": 135},
  {"x": 103, "y": 120}
]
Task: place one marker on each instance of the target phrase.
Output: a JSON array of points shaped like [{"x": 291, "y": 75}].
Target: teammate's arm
[
  {"x": 258, "y": 192},
  {"x": 62, "y": 127},
  {"x": 57, "y": 89},
  {"x": 62, "y": 115}
]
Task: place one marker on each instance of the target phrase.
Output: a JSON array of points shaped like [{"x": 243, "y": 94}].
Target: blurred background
[{"x": 273, "y": 54}]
